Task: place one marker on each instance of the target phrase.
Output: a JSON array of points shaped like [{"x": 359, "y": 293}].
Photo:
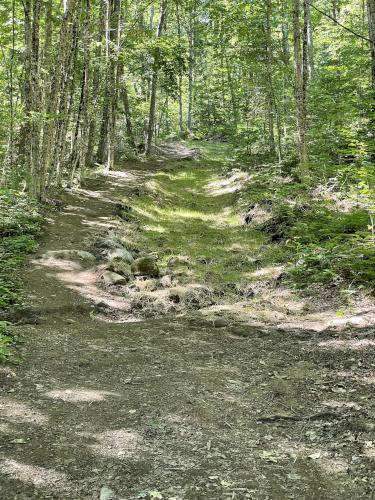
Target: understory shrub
[{"x": 20, "y": 221}]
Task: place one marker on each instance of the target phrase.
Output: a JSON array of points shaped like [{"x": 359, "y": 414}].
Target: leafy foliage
[
  {"x": 5, "y": 342},
  {"x": 19, "y": 223}
]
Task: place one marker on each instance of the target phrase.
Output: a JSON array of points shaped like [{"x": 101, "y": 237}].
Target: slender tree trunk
[
  {"x": 269, "y": 82},
  {"x": 96, "y": 84},
  {"x": 105, "y": 153},
  {"x": 154, "y": 80},
  {"x": 371, "y": 22},
  {"x": 191, "y": 64},
  {"x": 128, "y": 118},
  {"x": 102, "y": 146},
  {"x": 80, "y": 138},
  {"x": 114, "y": 80},
  {"x": 180, "y": 78},
  {"x": 299, "y": 83},
  {"x": 31, "y": 130},
  {"x": 310, "y": 40},
  {"x": 236, "y": 117}
]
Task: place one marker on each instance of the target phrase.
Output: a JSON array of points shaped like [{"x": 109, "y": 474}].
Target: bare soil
[{"x": 174, "y": 407}]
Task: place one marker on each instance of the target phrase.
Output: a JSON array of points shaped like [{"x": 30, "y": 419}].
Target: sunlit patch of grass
[
  {"x": 181, "y": 217},
  {"x": 155, "y": 229}
]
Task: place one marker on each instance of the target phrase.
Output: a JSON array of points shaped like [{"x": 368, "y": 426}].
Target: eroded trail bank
[{"x": 149, "y": 403}]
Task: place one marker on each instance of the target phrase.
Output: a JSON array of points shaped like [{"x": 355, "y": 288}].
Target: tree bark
[
  {"x": 269, "y": 82},
  {"x": 31, "y": 131},
  {"x": 105, "y": 154},
  {"x": 300, "y": 49},
  {"x": 180, "y": 77},
  {"x": 371, "y": 22},
  {"x": 154, "y": 80},
  {"x": 128, "y": 118},
  {"x": 191, "y": 65}
]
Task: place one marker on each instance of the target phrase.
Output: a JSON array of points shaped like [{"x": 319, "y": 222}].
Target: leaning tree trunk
[{"x": 154, "y": 81}]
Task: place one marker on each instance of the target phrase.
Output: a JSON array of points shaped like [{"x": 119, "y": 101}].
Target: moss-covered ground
[{"x": 190, "y": 210}]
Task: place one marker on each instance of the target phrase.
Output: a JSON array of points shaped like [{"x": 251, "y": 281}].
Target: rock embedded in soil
[
  {"x": 145, "y": 266},
  {"x": 120, "y": 267},
  {"x": 111, "y": 278},
  {"x": 121, "y": 253},
  {"x": 109, "y": 243},
  {"x": 106, "y": 493},
  {"x": 220, "y": 323},
  {"x": 166, "y": 281}
]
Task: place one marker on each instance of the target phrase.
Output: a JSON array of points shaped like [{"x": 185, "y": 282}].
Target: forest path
[{"x": 170, "y": 408}]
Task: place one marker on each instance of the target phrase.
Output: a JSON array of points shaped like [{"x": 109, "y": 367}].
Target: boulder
[
  {"x": 110, "y": 278},
  {"x": 145, "y": 266},
  {"x": 122, "y": 254},
  {"x": 106, "y": 493},
  {"x": 109, "y": 243},
  {"x": 120, "y": 267},
  {"x": 70, "y": 255}
]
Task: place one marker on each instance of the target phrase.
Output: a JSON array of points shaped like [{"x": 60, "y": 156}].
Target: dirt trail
[{"x": 168, "y": 409}]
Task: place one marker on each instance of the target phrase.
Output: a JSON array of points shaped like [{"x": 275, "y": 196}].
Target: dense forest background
[{"x": 83, "y": 81}]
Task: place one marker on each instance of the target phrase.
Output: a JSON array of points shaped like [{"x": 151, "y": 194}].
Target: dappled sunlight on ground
[
  {"x": 62, "y": 264},
  {"x": 213, "y": 391},
  {"x": 38, "y": 476},
  {"x": 80, "y": 395},
  {"x": 99, "y": 224},
  {"x": 120, "y": 443},
  {"x": 341, "y": 404},
  {"x": 271, "y": 272},
  {"x": 351, "y": 344},
  {"x": 123, "y": 175},
  {"x": 19, "y": 412},
  {"x": 227, "y": 185}
]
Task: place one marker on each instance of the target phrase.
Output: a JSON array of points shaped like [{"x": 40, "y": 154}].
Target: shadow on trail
[{"x": 175, "y": 405}]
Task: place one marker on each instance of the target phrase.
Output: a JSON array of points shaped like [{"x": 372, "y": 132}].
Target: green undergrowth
[
  {"x": 196, "y": 209},
  {"x": 6, "y": 342},
  {"x": 20, "y": 221},
  {"x": 186, "y": 211},
  {"x": 324, "y": 243}
]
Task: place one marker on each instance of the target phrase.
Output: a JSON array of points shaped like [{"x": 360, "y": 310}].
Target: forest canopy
[{"x": 86, "y": 80}]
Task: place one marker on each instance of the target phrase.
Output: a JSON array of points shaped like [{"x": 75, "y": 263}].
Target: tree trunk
[
  {"x": 80, "y": 138},
  {"x": 154, "y": 80},
  {"x": 371, "y": 22},
  {"x": 31, "y": 130},
  {"x": 128, "y": 119},
  {"x": 191, "y": 64},
  {"x": 269, "y": 82},
  {"x": 299, "y": 83},
  {"x": 180, "y": 78}
]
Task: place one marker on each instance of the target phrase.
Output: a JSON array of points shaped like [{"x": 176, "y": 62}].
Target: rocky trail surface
[{"x": 112, "y": 399}]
